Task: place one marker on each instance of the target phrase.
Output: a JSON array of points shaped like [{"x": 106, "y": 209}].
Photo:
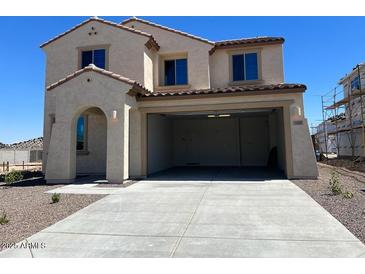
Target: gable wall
[
  {"x": 172, "y": 43},
  {"x": 126, "y": 51}
]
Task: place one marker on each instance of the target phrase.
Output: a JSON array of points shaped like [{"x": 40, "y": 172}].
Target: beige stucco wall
[
  {"x": 148, "y": 58},
  {"x": 131, "y": 59},
  {"x": 126, "y": 51},
  {"x": 270, "y": 65},
  {"x": 159, "y": 143},
  {"x": 171, "y": 43},
  {"x": 75, "y": 96}
]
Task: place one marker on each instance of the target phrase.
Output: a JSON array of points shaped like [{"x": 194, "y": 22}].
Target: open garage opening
[{"x": 234, "y": 144}]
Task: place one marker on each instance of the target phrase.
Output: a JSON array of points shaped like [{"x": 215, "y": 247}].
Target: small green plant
[
  {"x": 55, "y": 197},
  {"x": 334, "y": 183},
  {"x": 3, "y": 218},
  {"x": 13, "y": 176},
  {"x": 348, "y": 195}
]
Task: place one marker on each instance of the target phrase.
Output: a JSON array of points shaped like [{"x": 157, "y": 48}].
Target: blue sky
[{"x": 318, "y": 51}]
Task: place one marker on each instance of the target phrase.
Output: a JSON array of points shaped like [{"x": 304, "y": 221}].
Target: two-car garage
[{"x": 235, "y": 138}]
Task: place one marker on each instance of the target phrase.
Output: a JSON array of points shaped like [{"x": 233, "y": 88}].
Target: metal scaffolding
[{"x": 343, "y": 116}]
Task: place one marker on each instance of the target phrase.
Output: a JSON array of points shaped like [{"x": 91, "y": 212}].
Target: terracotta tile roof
[
  {"x": 137, "y": 88},
  {"x": 151, "y": 43},
  {"x": 238, "y": 90},
  {"x": 263, "y": 40},
  {"x": 219, "y": 44},
  {"x": 135, "y": 19}
]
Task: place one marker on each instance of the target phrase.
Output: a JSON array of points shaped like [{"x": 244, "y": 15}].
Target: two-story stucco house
[{"x": 131, "y": 99}]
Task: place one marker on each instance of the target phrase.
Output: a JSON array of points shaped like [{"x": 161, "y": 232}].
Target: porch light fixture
[
  {"x": 296, "y": 113},
  {"x": 114, "y": 115}
]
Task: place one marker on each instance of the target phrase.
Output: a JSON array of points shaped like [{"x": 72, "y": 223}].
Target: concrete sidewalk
[{"x": 198, "y": 219}]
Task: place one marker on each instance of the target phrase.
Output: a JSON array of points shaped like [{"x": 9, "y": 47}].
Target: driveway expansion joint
[
  {"x": 110, "y": 234},
  {"x": 28, "y": 246},
  {"x": 189, "y": 222}
]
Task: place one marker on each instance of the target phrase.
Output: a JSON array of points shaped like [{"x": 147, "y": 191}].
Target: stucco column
[
  {"x": 288, "y": 142},
  {"x": 117, "y": 165},
  {"x": 137, "y": 149},
  {"x": 304, "y": 161},
  {"x": 61, "y": 153}
]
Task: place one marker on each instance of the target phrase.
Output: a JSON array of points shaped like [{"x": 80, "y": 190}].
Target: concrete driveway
[{"x": 198, "y": 219}]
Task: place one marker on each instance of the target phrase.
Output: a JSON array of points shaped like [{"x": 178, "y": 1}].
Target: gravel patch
[
  {"x": 30, "y": 210},
  {"x": 350, "y": 212}
]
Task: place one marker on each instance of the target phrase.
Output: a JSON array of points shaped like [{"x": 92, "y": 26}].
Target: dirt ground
[
  {"x": 350, "y": 212},
  {"x": 30, "y": 210},
  {"x": 347, "y": 163}
]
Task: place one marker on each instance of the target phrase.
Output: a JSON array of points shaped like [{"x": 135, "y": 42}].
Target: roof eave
[
  {"x": 135, "y": 19},
  {"x": 152, "y": 44},
  {"x": 226, "y": 94},
  {"x": 103, "y": 22},
  {"x": 245, "y": 45},
  {"x": 136, "y": 88}
]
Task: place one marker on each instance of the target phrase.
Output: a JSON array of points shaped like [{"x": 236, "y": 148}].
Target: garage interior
[{"x": 234, "y": 144}]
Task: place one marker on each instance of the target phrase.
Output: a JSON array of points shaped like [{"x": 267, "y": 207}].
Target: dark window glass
[
  {"x": 176, "y": 72},
  {"x": 80, "y": 137},
  {"x": 96, "y": 57},
  {"x": 169, "y": 72},
  {"x": 87, "y": 58},
  {"x": 99, "y": 58},
  {"x": 251, "y": 66},
  {"x": 181, "y": 71},
  {"x": 245, "y": 67},
  {"x": 238, "y": 64},
  {"x": 355, "y": 83}
]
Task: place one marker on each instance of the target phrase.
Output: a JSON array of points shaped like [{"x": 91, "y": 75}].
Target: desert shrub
[
  {"x": 13, "y": 176},
  {"x": 3, "y": 218},
  {"x": 348, "y": 195},
  {"x": 55, "y": 197},
  {"x": 334, "y": 183}
]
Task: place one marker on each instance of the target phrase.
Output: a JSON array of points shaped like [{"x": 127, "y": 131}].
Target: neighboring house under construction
[{"x": 343, "y": 110}]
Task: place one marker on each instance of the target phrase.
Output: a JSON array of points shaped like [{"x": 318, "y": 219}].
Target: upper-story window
[
  {"x": 245, "y": 67},
  {"x": 176, "y": 72},
  {"x": 93, "y": 56},
  {"x": 355, "y": 83}
]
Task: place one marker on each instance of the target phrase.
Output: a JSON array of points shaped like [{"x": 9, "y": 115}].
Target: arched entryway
[{"x": 91, "y": 142}]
